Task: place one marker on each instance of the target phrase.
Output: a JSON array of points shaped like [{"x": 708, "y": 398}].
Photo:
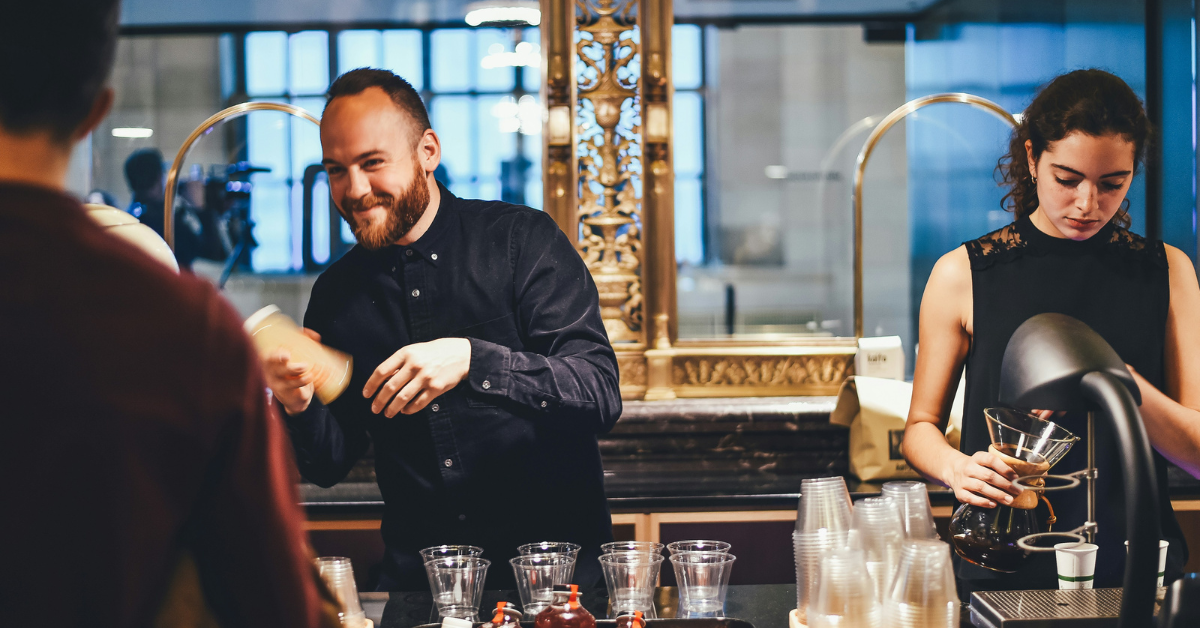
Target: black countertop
[{"x": 701, "y": 454}]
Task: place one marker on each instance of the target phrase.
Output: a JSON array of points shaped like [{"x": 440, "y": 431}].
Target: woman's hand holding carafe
[{"x": 982, "y": 479}]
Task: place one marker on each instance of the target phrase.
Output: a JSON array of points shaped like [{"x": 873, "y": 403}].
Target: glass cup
[
  {"x": 922, "y": 595},
  {"x": 824, "y": 503},
  {"x": 698, "y": 546},
  {"x": 703, "y": 582},
  {"x": 845, "y": 594},
  {"x": 339, "y": 576},
  {"x": 549, "y": 547},
  {"x": 631, "y": 577},
  {"x": 879, "y": 532},
  {"x": 647, "y": 547},
  {"x": 913, "y": 500},
  {"x": 443, "y": 551},
  {"x": 457, "y": 584},
  {"x": 536, "y": 576}
]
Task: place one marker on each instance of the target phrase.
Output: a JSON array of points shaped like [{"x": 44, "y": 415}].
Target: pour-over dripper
[{"x": 1030, "y": 446}]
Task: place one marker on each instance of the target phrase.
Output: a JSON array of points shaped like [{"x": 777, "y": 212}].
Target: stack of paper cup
[
  {"x": 1076, "y": 564},
  {"x": 822, "y": 523}
]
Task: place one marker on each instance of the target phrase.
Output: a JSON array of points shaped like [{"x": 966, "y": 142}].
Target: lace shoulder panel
[
  {"x": 1135, "y": 248},
  {"x": 1001, "y": 245}
]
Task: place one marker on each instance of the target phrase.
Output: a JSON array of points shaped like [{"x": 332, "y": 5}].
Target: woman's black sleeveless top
[{"x": 1116, "y": 282}]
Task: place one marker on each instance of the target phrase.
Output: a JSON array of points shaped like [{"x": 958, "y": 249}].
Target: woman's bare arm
[
  {"x": 1172, "y": 416},
  {"x": 981, "y": 479}
]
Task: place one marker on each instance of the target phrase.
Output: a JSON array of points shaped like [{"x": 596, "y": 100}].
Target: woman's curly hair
[{"x": 1094, "y": 102}]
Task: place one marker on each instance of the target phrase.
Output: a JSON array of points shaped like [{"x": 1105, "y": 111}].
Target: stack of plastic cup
[
  {"x": 631, "y": 576},
  {"x": 879, "y": 532},
  {"x": 339, "y": 576},
  {"x": 822, "y": 523},
  {"x": 536, "y": 576},
  {"x": 844, "y": 596},
  {"x": 703, "y": 582},
  {"x": 457, "y": 584},
  {"x": 922, "y": 594},
  {"x": 913, "y": 500}
]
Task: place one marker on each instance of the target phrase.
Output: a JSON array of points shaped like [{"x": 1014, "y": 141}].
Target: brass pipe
[
  {"x": 861, "y": 165},
  {"x": 220, "y": 116}
]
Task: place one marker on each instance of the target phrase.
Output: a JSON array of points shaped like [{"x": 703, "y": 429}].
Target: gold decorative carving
[
  {"x": 824, "y": 370},
  {"x": 632, "y": 368},
  {"x": 610, "y": 162}
]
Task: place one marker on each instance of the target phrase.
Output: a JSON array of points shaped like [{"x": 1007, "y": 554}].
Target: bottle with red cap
[
  {"x": 565, "y": 614},
  {"x": 507, "y": 616},
  {"x": 631, "y": 620}
]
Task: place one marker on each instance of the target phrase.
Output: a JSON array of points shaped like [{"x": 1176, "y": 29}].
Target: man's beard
[{"x": 402, "y": 213}]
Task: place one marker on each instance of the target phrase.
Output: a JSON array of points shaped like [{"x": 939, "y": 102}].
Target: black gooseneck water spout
[{"x": 1055, "y": 362}]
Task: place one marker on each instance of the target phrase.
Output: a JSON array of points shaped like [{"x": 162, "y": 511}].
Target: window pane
[
  {"x": 450, "y": 50},
  {"x": 266, "y": 63},
  {"x": 267, "y": 146},
  {"x": 685, "y": 56},
  {"x": 452, "y": 120},
  {"x": 531, "y": 76},
  {"x": 357, "y": 49},
  {"x": 320, "y": 219},
  {"x": 306, "y": 137},
  {"x": 689, "y": 134},
  {"x": 402, "y": 54},
  {"x": 489, "y": 41},
  {"x": 495, "y": 144},
  {"x": 689, "y": 224},
  {"x": 309, "y": 62}
]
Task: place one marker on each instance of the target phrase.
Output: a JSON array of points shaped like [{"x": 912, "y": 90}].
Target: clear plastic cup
[
  {"x": 698, "y": 546},
  {"x": 339, "y": 576},
  {"x": 808, "y": 547},
  {"x": 922, "y": 595},
  {"x": 879, "y": 531},
  {"x": 536, "y": 576},
  {"x": 824, "y": 503},
  {"x": 631, "y": 577},
  {"x": 844, "y": 596},
  {"x": 703, "y": 579},
  {"x": 443, "y": 551},
  {"x": 647, "y": 547},
  {"x": 549, "y": 547},
  {"x": 913, "y": 500},
  {"x": 457, "y": 584}
]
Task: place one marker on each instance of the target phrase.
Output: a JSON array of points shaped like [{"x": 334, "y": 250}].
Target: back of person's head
[
  {"x": 1093, "y": 102},
  {"x": 55, "y": 57},
  {"x": 144, "y": 169},
  {"x": 399, "y": 90}
]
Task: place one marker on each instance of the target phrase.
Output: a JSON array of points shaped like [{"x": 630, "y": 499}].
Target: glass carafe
[{"x": 988, "y": 536}]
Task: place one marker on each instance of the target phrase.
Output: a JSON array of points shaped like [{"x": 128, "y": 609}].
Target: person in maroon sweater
[{"x": 138, "y": 452}]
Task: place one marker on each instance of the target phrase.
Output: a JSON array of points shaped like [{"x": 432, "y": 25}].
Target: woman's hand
[{"x": 982, "y": 479}]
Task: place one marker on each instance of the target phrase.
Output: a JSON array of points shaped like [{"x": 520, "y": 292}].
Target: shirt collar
[{"x": 432, "y": 244}]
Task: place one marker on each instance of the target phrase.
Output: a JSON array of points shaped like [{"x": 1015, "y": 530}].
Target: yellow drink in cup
[{"x": 273, "y": 330}]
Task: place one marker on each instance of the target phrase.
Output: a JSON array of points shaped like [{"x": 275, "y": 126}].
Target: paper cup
[
  {"x": 1162, "y": 559},
  {"x": 1076, "y": 564}
]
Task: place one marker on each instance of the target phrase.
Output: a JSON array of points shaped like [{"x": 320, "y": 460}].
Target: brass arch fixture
[
  {"x": 860, "y": 168},
  {"x": 203, "y": 129}
]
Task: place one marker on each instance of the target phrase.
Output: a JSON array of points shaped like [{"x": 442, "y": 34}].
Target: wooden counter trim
[{"x": 343, "y": 524}]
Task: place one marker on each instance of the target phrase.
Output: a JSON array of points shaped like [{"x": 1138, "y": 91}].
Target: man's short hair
[
  {"x": 54, "y": 61},
  {"x": 144, "y": 169},
  {"x": 398, "y": 89}
]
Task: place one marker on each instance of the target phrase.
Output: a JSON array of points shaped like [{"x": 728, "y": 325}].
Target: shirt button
[
  {"x": 393, "y": 269},
  {"x": 408, "y": 252},
  {"x": 543, "y": 404},
  {"x": 416, "y": 293},
  {"x": 462, "y": 517},
  {"x": 434, "y": 407},
  {"x": 433, "y": 256},
  {"x": 449, "y": 463},
  {"x": 486, "y": 384}
]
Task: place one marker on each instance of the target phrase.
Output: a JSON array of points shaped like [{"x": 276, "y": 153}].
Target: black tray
[{"x": 706, "y": 622}]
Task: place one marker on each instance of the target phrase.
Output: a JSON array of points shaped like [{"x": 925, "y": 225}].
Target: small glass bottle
[
  {"x": 565, "y": 614},
  {"x": 507, "y": 616},
  {"x": 631, "y": 620}
]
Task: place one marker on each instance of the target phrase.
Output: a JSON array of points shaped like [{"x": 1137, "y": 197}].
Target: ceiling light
[
  {"x": 503, "y": 12},
  {"x": 132, "y": 132},
  {"x": 526, "y": 55}
]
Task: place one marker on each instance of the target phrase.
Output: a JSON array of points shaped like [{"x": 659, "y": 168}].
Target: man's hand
[
  {"x": 418, "y": 374},
  {"x": 290, "y": 382}
]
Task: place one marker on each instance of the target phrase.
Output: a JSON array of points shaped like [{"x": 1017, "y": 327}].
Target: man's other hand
[
  {"x": 291, "y": 382},
  {"x": 418, "y": 374}
]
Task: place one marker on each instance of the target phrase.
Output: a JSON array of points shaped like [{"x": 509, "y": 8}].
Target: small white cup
[
  {"x": 1076, "y": 564},
  {"x": 1162, "y": 559}
]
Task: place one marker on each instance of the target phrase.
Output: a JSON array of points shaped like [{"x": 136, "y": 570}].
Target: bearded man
[{"x": 482, "y": 369}]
